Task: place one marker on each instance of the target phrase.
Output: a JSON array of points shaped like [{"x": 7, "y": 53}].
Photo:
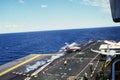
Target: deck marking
[
  {"x": 40, "y": 69},
  {"x": 20, "y": 64},
  {"x": 87, "y": 65},
  {"x": 94, "y": 69}
]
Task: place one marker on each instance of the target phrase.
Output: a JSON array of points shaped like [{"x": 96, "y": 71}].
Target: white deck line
[
  {"x": 40, "y": 69},
  {"x": 87, "y": 65}
]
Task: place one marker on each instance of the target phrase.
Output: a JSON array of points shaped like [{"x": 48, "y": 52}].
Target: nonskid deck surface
[
  {"x": 17, "y": 70},
  {"x": 77, "y": 65}
]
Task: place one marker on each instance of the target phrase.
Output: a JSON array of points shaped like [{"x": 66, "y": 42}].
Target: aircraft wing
[
  {"x": 117, "y": 53},
  {"x": 100, "y": 52}
]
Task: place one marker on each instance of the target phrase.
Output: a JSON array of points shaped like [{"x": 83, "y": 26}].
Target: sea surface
[{"x": 17, "y": 45}]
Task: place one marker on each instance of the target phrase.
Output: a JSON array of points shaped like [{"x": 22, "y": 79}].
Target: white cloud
[
  {"x": 44, "y": 6},
  {"x": 102, "y": 4},
  {"x": 21, "y": 1},
  {"x": 12, "y": 26}
]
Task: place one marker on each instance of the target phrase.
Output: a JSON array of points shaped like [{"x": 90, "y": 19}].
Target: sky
[{"x": 41, "y": 15}]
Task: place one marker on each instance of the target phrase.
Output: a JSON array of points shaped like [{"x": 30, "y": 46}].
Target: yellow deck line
[{"x": 20, "y": 64}]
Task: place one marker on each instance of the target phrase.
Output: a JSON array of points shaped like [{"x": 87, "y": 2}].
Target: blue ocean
[{"x": 17, "y": 45}]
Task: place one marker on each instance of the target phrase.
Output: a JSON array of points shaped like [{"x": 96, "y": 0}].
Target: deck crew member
[
  {"x": 91, "y": 67},
  {"x": 85, "y": 76},
  {"x": 65, "y": 62}
]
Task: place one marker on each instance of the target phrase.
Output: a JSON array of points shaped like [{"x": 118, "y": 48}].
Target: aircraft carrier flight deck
[{"x": 84, "y": 64}]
